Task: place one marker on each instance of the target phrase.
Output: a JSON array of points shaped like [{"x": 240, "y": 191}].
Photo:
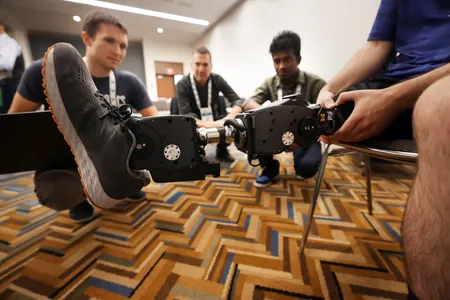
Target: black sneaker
[
  {"x": 83, "y": 212},
  {"x": 137, "y": 197},
  {"x": 96, "y": 131},
  {"x": 59, "y": 189}
]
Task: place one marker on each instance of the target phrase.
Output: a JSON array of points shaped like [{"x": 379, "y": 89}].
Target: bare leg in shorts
[{"x": 426, "y": 224}]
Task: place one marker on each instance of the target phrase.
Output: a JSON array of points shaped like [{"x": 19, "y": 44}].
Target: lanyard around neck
[
  {"x": 194, "y": 88},
  {"x": 112, "y": 87},
  {"x": 298, "y": 90}
]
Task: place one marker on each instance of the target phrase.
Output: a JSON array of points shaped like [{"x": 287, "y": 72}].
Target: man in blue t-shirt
[
  {"x": 106, "y": 40},
  {"x": 401, "y": 75}
]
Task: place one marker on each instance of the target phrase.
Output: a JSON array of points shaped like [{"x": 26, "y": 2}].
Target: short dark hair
[
  {"x": 285, "y": 41},
  {"x": 93, "y": 20},
  {"x": 203, "y": 50}
]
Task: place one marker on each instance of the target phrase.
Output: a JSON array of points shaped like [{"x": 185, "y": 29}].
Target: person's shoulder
[
  {"x": 271, "y": 78},
  {"x": 128, "y": 78},
  {"x": 30, "y": 86},
  {"x": 36, "y": 64},
  {"x": 35, "y": 68},
  {"x": 124, "y": 74},
  {"x": 216, "y": 76},
  {"x": 269, "y": 81}
]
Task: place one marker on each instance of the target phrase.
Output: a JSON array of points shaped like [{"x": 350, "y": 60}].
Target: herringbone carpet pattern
[{"x": 220, "y": 238}]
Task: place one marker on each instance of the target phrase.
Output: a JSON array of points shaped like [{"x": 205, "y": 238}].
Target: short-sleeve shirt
[
  {"x": 129, "y": 89},
  {"x": 420, "y": 31}
]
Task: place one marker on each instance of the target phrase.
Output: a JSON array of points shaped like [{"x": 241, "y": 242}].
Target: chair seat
[{"x": 402, "y": 151}]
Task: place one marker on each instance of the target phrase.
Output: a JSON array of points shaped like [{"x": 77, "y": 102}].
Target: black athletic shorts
[{"x": 401, "y": 128}]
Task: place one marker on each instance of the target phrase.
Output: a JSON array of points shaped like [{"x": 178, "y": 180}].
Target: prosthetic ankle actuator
[{"x": 172, "y": 147}]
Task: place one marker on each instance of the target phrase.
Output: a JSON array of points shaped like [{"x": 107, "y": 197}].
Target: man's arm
[
  {"x": 363, "y": 65},
  {"x": 261, "y": 95},
  {"x": 140, "y": 100},
  {"x": 251, "y": 103},
  {"x": 21, "y": 104},
  {"x": 149, "y": 111},
  {"x": 371, "y": 58},
  {"x": 30, "y": 93}
]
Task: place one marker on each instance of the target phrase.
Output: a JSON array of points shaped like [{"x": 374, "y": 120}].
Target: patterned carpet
[{"x": 220, "y": 238}]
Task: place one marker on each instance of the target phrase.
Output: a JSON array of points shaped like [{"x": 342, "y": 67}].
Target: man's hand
[
  {"x": 325, "y": 99},
  {"x": 230, "y": 116},
  {"x": 374, "y": 111},
  {"x": 221, "y": 122}
]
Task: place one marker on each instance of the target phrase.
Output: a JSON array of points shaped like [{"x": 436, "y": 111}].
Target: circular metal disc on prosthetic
[
  {"x": 172, "y": 152},
  {"x": 287, "y": 138}
]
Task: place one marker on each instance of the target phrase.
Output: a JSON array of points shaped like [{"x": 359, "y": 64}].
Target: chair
[
  {"x": 397, "y": 151},
  {"x": 174, "y": 110}
]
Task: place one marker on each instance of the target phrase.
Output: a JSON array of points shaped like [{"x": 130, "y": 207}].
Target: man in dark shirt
[
  {"x": 403, "y": 98},
  {"x": 106, "y": 40},
  {"x": 198, "y": 95}
]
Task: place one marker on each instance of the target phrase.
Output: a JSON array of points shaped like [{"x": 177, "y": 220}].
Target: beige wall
[{"x": 331, "y": 32}]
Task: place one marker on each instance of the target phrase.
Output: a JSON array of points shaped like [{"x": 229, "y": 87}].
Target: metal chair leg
[
  {"x": 323, "y": 163},
  {"x": 368, "y": 184}
]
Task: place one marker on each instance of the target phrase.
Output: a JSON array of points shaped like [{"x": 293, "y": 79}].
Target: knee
[
  {"x": 307, "y": 168},
  {"x": 59, "y": 189},
  {"x": 431, "y": 116}
]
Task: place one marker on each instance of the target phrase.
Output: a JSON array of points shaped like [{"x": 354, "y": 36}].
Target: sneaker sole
[
  {"x": 263, "y": 185},
  {"x": 131, "y": 200},
  {"x": 87, "y": 171}
]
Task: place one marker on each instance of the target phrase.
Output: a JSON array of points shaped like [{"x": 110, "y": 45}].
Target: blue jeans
[{"x": 306, "y": 160}]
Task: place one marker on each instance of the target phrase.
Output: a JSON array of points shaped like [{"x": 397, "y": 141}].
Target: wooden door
[
  {"x": 165, "y": 72},
  {"x": 165, "y": 86}
]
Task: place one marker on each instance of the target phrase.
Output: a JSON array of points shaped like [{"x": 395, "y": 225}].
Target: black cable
[{"x": 235, "y": 124}]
